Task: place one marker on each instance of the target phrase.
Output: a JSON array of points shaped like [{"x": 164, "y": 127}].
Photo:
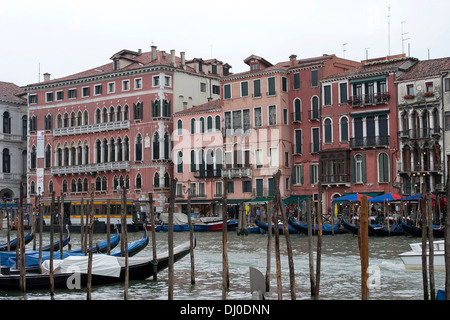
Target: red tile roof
[
  {"x": 140, "y": 60},
  {"x": 11, "y": 92},
  {"x": 213, "y": 105},
  {"x": 426, "y": 68}
]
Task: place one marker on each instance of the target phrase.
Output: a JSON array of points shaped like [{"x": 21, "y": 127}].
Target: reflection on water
[{"x": 340, "y": 271}]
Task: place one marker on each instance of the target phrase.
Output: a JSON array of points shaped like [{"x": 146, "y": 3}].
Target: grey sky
[{"x": 65, "y": 37}]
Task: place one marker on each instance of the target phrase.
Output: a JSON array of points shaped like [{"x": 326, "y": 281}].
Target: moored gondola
[
  {"x": 327, "y": 229},
  {"x": 13, "y": 243},
  {"x": 264, "y": 227},
  {"x": 106, "y": 269},
  {"x": 416, "y": 231}
]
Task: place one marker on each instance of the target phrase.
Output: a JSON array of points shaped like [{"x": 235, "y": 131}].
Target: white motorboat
[{"x": 413, "y": 259}]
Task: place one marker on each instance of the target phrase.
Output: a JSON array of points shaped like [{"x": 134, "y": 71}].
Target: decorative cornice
[{"x": 100, "y": 77}]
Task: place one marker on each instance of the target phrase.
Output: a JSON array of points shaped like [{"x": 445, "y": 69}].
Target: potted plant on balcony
[
  {"x": 428, "y": 94},
  {"x": 409, "y": 97}
]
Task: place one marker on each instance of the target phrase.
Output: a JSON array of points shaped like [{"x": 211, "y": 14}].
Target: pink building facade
[
  {"x": 359, "y": 129},
  {"x": 111, "y": 127}
]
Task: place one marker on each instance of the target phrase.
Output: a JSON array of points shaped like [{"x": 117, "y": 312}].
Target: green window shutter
[
  {"x": 296, "y": 80},
  {"x": 257, "y": 88},
  {"x": 227, "y": 91},
  {"x": 302, "y": 180},
  {"x": 134, "y": 111},
  {"x": 364, "y": 176},
  {"x": 353, "y": 169},
  {"x": 314, "y": 78},
  {"x": 294, "y": 169}
]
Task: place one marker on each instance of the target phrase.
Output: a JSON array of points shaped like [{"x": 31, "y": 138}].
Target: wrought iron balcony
[
  {"x": 369, "y": 142},
  {"x": 369, "y": 99},
  {"x": 208, "y": 173}
]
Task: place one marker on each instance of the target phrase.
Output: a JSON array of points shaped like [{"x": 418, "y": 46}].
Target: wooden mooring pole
[
  {"x": 364, "y": 247},
  {"x": 312, "y": 278},
  {"x": 279, "y": 204},
  {"x": 61, "y": 222},
  {"x": 108, "y": 227},
  {"x": 22, "y": 242},
  {"x": 225, "y": 270},
  {"x": 89, "y": 226},
  {"x": 423, "y": 209},
  {"x": 52, "y": 221},
  {"x": 269, "y": 243},
  {"x": 447, "y": 242},
  {"x": 191, "y": 233},
  {"x": 152, "y": 221},
  {"x": 319, "y": 240},
  {"x": 125, "y": 241},
  {"x": 170, "y": 238}
]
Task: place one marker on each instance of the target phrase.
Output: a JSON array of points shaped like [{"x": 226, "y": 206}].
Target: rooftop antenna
[
  {"x": 343, "y": 48},
  {"x": 367, "y": 53},
  {"x": 389, "y": 30},
  {"x": 404, "y": 39}
]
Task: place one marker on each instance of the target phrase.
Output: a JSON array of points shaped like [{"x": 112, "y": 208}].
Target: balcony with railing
[
  {"x": 92, "y": 167},
  {"x": 369, "y": 99},
  {"x": 423, "y": 133},
  {"x": 208, "y": 173},
  {"x": 369, "y": 142},
  {"x": 92, "y": 128},
  {"x": 243, "y": 172}
]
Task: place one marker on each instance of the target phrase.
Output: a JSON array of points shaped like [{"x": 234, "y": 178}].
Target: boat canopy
[{"x": 103, "y": 265}]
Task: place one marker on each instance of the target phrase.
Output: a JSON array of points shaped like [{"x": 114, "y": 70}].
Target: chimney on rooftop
[
  {"x": 172, "y": 53},
  {"x": 153, "y": 53},
  {"x": 183, "y": 60},
  {"x": 46, "y": 77},
  {"x": 292, "y": 59}
]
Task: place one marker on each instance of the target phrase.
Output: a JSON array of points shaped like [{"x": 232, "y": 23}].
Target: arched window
[
  {"x": 156, "y": 146},
  {"x": 138, "y": 181},
  {"x": 64, "y": 185},
  {"x": 79, "y": 185},
  {"x": 344, "y": 129},
  {"x": 105, "y": 150},
  {"x": 48, "y": 155},
  {"x": 6, "y": 122},
  {"x": 297, "y": 110},
  {"x": 86, "y": 118},
  {"x": 202, "y": 125},
  {"x": 179, "y": 127},
  {"x": 383, "y": 168},
  {"x": 104, "y": 184},
  {"x": 180, "y": 162},
  {"x": 112, "y": 150},
  {"x": 33, "y": 157},
  {"x": 126, "y": 149},
  {"x": 217, "y": 124},
  {"x": 98, "y": 184},
  {"x": 193, "y": 164},
  {"x": 192, "y": 126},
  {"x": 327, "y": 126},
  {"x": 79, "y": 118},
  {"x": 119, "y": 149},
  {"x": 315, "y": 107},
  {"x": 138, "y": 148},
  {"x": 112, "y": 115},
  {"x": 105, "y": 115},
  {"x": 98, "y": 116},
  {"x": 6, "y": 161},
  {"x": 166, "y": 180},
  {"x": 98, "y": 151},
  {"x": 156, "y": 180},
  {"x": 209, "y": 124},
  {"x": 166, "y": 146},
  {"x": 73, "y": 185},
  {"x": 59, "y": 121}
]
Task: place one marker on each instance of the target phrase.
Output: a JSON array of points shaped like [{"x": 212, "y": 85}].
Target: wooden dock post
[
  {"x": 430, "y": 248},
  {"x": 125, "y": 241},
  {"x": 170, "y": 238},
  {"x": 52, "y": 220},
  {"x": 279, "y": 204},
  {"x": 89, "y": 226},
  {"x": 61, "y": 222},
  {"x": 312, "y": 278},
  {"x": 277, "y": 251},
  {"x": 20, "y": 227},
  {"x": 191, "y": 233},
  {"x": 447, "y": 242},
  {"x": 152, "y": 221},
  {"x": 108, "y": 227},
  {"x": 269, "y": 243},
  {"x": 225, "y": 270},
  {"x": 364, "y": 247},
  {"x": 319, "y": 240},
  {"x": 82, "y": 233},
  {"x": 423, "y": 206},
  {"x": 41, "y": 227}
]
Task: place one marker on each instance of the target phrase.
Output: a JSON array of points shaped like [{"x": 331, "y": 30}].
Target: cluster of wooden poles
[{"x": 86, "y": 237}]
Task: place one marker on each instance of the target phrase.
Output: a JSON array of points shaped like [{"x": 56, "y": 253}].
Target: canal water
[{"x": 340, "y": 269}]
